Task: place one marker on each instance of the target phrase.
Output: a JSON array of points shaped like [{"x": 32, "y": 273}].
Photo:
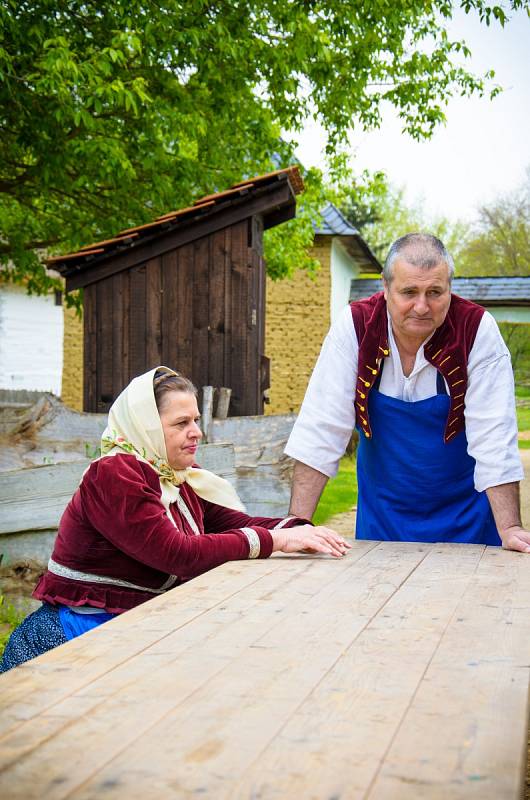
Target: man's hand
[
  {"x": 309, "y": 539},
  {"x": 504, "y": 502},
  {"x": 516, "y": 538}
]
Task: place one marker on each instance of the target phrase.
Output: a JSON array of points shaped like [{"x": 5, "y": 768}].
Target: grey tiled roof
[
  {"x": 494, "y": 291},
  {"x": 485, "y": 291},
  {"x": 333, "y": 223}
]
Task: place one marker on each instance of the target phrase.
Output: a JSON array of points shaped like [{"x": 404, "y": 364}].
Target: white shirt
[{"x": 327, "y": 416}]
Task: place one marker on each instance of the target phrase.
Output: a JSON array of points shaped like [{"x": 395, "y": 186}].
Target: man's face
[{"x": 418, "y": 299}]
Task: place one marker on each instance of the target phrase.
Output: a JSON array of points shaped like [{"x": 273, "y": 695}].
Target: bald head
[{"x": 420, "y": 250}]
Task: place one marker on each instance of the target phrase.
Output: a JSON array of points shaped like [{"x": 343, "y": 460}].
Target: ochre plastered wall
[
  {"x": 297, "y": 320},
  {"x": 72, "y": 383}
]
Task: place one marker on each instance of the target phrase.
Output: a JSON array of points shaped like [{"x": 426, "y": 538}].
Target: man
[{"x": 426, "y": 378}]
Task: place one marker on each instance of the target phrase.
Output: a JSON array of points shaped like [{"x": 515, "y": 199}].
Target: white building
[{"x": 31, "y": 340}]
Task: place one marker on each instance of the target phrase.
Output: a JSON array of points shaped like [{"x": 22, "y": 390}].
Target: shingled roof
[
  {"x": 334, "y": 223},
  {"x": 208, "y": 206},
  {"x": 502, "y": 291}
]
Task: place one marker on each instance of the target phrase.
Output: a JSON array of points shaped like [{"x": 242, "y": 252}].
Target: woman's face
[{"x": 179, "y": 416}]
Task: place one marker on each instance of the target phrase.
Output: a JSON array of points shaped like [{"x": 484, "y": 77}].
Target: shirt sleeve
[
  {"x": 491, "y": 421},
  {"x": 324, "y": 425},
  {"x": 121, "y": 498}
]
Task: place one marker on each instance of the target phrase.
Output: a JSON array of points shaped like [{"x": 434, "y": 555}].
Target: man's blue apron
[{"x": 412, "y": 486}]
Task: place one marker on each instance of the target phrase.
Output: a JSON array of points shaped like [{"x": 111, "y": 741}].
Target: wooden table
[{"x": 400, "y": 671}]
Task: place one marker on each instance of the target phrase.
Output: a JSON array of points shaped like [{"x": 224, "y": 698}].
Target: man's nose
[{"x": 421, "y": 306}]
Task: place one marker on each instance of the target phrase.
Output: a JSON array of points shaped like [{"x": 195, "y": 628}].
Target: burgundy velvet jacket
[{"x": 116, "y": 526}]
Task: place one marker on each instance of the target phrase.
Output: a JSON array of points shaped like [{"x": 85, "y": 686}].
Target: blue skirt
[
  {"x": 46, "y": 628},
  {"x": 38, "y": 633}
]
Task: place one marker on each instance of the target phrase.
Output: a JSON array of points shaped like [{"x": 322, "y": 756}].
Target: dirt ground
[{"x": 344, "y": 524}]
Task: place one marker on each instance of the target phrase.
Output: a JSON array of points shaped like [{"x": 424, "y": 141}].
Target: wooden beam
[
  {"x": 208, "y": 393},
  {"x": 223, "y": 403}
]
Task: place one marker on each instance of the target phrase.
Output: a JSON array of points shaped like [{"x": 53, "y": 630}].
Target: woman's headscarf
[{"x": 134, "y": 427}]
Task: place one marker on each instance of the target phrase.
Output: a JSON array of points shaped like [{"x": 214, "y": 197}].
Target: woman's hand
[{"x": 309, "y": 539}]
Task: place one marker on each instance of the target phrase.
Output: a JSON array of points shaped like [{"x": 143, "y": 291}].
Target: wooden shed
[{"x": 187, "y": 291}]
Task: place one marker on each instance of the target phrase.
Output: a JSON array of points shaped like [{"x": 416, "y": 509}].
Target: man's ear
[{"x": 385, "y": 287}]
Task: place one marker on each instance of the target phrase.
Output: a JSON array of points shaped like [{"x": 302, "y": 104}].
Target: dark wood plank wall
[
  {"x": 217, "y": 332},
  {"x": 252, "y": 362},
  {"x": 153, "y": 313},
  {"x": 201, "y": 361},
  {"x": 241, "y": 391},
  {"x": 198, "y": 309},
  {"x": 119, "y": 287},
  {"x": 137, "y": 320},
  {"x": 89, "y": 348},
  {"x": 173, "y": 278},
  {"x": 259, "y": 265},
  {"x": 178, "y": 294},
  {"x": 104, "y": 320},
  {"x": 259, "y": 271},
  {"x": 227, "y": 300}
]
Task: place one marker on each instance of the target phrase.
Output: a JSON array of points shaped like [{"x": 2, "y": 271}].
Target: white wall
[
  {"x": 343, "y": 269},
  {"x": 510, "y": 313},
  {"x": 31, "y": 341}
]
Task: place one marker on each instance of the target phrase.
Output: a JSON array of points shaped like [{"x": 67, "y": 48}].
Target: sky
[{"x": 481, "y": 152}]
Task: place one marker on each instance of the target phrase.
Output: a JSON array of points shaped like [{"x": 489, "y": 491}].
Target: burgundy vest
[{"x": 448, "y": 350}]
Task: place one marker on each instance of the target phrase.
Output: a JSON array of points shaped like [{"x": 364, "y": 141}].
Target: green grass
[
  {"x": 10, "y": 618},
  {"x": 340, "y": 493},
  {"x": 523, "y": 414},
  {"x": 523, "y": 418}
]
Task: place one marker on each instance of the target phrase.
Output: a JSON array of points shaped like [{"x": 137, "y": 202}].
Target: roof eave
[
  {"x": 271, "y": 202},
  {"x": 238, "y": 196}
]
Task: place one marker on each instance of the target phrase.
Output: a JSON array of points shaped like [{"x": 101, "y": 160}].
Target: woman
[{"x": 145, "y": 519}]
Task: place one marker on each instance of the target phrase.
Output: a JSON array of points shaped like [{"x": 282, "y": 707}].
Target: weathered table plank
[
  {"x": 343, "y": 731},
  {"x": 476, "y": 686},
  {"x": 399, "y": 671}
]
